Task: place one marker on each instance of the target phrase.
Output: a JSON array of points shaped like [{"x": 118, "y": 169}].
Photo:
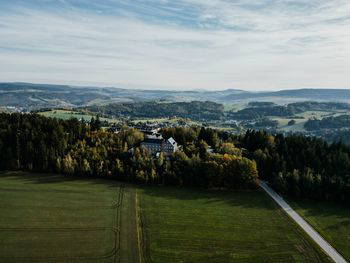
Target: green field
[
  {"x": 299, "y": 123},
  {"x": 68, "y": 114},
  {"x": 48, "y": 218},
  {"x": 331, "y": 220},
  {"x": 200, "y": 226},
  {"x": 52, "y": 218}
]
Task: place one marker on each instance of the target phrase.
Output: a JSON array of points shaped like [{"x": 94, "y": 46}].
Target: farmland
[
  {"x": 52, "y": 218},
  {"x": 69, "y": 114},
  {"x": 331, "y": 220},
  {"x": 48, "y": 218},
  {"x": 195, "y": 226}
]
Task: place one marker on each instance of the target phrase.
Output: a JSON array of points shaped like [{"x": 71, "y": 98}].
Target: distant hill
[
  {"x": 308, "y": 94},
  {"x": 28, "y": 96},
  {"x": 258, "y": 110},
  {"x": 196, "y": 110},
  {"x": 35, "y": 96}
]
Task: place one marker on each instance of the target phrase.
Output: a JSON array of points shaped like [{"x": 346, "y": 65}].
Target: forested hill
[
  {"x": 306, "y": 94},
  {"x": 195, "y": 110},
  {"x": 342, "y": 121},
  {"x": 257, "y": 110},
  {"x": 28, "y": 96}
]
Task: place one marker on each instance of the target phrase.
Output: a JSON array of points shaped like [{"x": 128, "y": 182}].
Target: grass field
[
  {"x": 299, "y": 125},
  {"x": 196, "y": 226},
  {"x": 331, "y": 220},
  {"x": 68, "y": 114},
  {"x": 52, "y": 218},
  {"x": 48, "y": 218}
]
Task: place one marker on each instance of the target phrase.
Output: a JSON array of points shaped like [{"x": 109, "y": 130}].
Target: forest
[
  {"x": 259, "y": 110},
  {"x": 295, "y": 165},
  {"x": 318, "y": 106},
  {"x": 341, "y": 121},
  {"x": 300, "y": 166},
  {"x": 36, "y": 143},
  {"x": 196, "y": 110},
  {"x": 339, "y": 135}
]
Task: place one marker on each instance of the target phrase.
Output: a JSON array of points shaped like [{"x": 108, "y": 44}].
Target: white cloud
[{"x": 229, "y": 44}]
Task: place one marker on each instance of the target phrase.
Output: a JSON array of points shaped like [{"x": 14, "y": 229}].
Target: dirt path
[
  {"x": 129, "y": 245},
  {"x": 331, "y": 252}
]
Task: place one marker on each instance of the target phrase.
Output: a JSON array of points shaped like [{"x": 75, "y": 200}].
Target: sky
[{"x": 177, "y": 44}]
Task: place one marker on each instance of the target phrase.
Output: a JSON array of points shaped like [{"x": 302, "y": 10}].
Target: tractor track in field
[
  {"x": 52, "y": 229},
  {"x": 116, "y": 230},
  {"x": 107, "y": 255},
  {"x": 63, "y": 191},
  {"x": 118, "y": 222},
  {"x": 144, "y": 239}
]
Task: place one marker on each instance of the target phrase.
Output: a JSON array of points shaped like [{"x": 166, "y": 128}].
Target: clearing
[{"x": 70, "y": 114}]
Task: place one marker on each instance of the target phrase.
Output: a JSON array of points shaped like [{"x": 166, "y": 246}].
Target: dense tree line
[
  {"x": 196, "y": 110},
  {"x": 259, "y": 110},
  {"x": 339, "y": 136},
  {"x": 295, "y": 165},
  {"x": 300, "y": 166},
  {"x": 261, "y": 104},
  {"x": 318, "y": 106},
  {"x": 342, "y": 121},
  {"x": 29, "y": 141},
  {"x": 37, "y": 143}
]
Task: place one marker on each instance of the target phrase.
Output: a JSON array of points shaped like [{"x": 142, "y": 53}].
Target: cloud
[{"x": 185, "y": 44}]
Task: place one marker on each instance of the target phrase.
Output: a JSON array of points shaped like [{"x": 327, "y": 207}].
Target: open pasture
[
  {"x": 52, "y": 218},
  {"x": 49, "y": 218},
  {"x": 199, "y": 226},
  {"x": 68, "y": 114}
]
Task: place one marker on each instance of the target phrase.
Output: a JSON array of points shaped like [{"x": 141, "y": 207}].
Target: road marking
[{"x": 330, "y": 251}]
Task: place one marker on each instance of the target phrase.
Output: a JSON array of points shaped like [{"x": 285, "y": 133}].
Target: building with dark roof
[{"x": 157, "y": 144}]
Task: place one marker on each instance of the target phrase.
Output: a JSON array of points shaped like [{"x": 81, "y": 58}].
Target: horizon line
[{"x": 164, "y": 88}]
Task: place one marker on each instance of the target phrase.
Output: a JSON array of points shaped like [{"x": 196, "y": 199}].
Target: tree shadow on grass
[
  {"x": 342, "y": 224},
  {"x": 46, "y": 178},
  {"x": 318, "y": 209},
  {"x": 256, "y": 199}
]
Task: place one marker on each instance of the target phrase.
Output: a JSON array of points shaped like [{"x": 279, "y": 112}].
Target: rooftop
[{"x": 153, "y": 140}]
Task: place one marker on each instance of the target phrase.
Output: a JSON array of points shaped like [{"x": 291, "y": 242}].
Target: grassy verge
[{"x": 331, "y": 220}]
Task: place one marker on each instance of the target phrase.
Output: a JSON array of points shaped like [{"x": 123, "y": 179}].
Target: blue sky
[{"x": 183, "y": 44}]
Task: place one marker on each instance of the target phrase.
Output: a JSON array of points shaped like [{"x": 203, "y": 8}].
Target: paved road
[{"x": 304, "y": 225}]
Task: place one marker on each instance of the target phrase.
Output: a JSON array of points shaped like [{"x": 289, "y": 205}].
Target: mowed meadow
[
  {"x": 50, "y": 218},
  {"x": 330, "y": 219},
  {"x": 53, "y": 218},
  {"x": 182, "y": 225}
]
